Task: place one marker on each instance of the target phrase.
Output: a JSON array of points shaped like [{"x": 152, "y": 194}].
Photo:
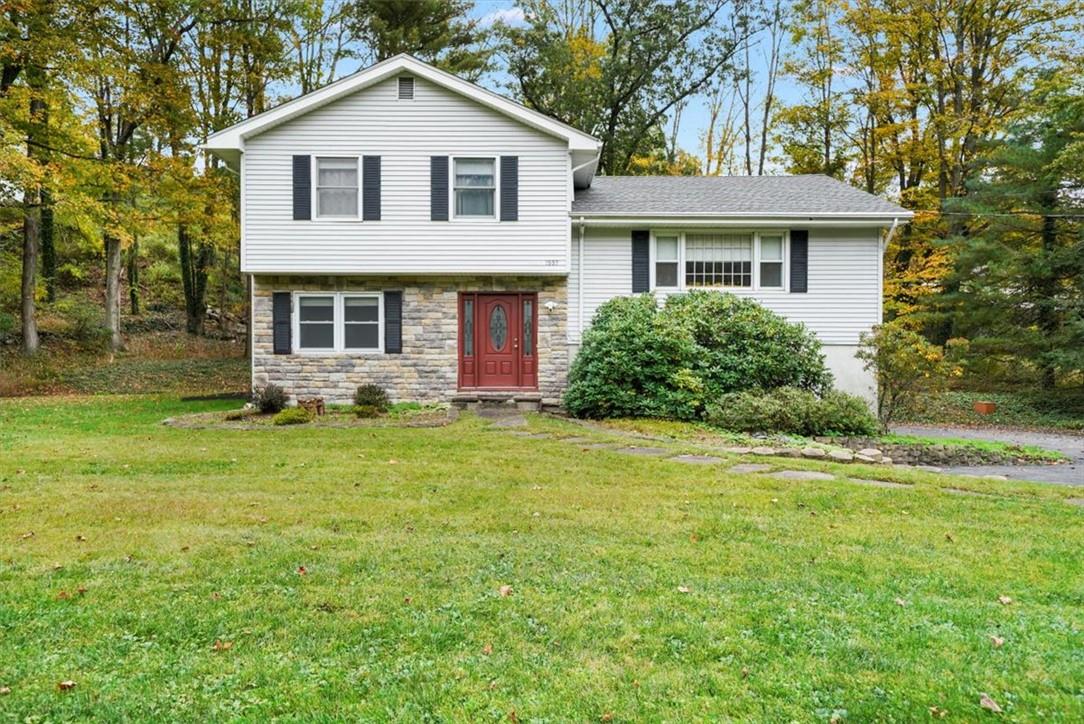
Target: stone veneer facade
[{"x": 427, "y": 369}]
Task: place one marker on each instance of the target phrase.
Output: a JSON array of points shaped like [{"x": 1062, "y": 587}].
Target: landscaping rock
[
  {"x": 886, "y": 460},
  {"x": 871, "y": 452},
  {"x": 696, "y": 459},
  {"x": 763, "y": 450},
  {"x": 750, "y": 468},
  {"x": 789, "y": 452},
  {"x": 737, "y": 450},
  {"x": 841, "y": 456},
  {"x": 803, "y": 475},
  {"x": 860, "y": 458},
  {"x": 814, "y": 453}
]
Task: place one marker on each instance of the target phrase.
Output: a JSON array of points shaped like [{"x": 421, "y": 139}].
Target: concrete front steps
[{"x": 510, "y": 400}]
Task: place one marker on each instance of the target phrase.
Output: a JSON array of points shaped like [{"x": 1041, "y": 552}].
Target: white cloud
[{"x": 508, "y": 16}]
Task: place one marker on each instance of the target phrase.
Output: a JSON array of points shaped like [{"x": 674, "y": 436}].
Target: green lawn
[{"x": 642, "y": 589}]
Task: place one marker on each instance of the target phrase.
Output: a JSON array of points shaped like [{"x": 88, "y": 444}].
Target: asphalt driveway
[{"x": 1071, "y": 473}]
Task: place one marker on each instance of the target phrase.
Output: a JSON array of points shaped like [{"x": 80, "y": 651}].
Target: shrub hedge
[
  {"x": 792, "y": 411},
  {"x": 640, "y": 360}
]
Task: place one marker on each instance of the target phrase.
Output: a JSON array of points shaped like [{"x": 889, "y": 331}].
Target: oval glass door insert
[{"x": 498, "y": 327}]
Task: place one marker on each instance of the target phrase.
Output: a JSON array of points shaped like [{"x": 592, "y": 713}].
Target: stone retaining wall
[{"x": 427, "y": 368}]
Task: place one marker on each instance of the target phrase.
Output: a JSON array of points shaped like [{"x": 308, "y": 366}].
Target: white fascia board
[
  {"x": 234, "y": 136},
  {"x": 742, "y": 220}
]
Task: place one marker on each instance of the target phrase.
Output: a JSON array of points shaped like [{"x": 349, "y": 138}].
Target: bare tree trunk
[
  {"x": 112, "y": 290},
  {"x": 133, "y": 277},
  {"x": 31, "y": 232}
]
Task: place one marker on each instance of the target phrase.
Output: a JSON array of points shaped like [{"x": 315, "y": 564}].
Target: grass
[
  {"x": 642, "y": 589},
  {"x": 1061, "y": 409},
  {"x": 1022, "y": 452}
]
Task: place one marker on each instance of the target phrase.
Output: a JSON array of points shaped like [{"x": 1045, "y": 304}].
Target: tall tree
[
  {"x": 319, "y": 39},
  {"x": 813, "y": 130},
  {"x": 1022, "y": 274},
  {"x": 131, "y": 74},
  {"x": 436, "y": 31},
  {"x": 621, "y": 77}
]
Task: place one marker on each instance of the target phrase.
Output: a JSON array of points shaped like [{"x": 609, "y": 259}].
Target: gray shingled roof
[{"x": 727, "y": 195}]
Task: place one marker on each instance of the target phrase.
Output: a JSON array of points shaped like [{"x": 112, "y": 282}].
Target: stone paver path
[
  {"x": 879, "y": 483},
  {"x": 647, "y": 451},
  {"x": 696, "y": 459},
  {"x": 803, "y": 475},
  {"x": 750, "y": 468}
]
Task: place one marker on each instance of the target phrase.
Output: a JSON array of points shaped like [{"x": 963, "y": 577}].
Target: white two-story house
[{"x": 406, "y": 228}]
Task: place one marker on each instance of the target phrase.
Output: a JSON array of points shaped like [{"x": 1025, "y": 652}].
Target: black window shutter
[
  {"x": 370, "y": 188},
  {"x": 509, "y": 188},
  {"x": 438, "y": 188},
  {"x": 799, "y": 261},
  {"x": 280, "y": 322},
  {"x": 393, "y": 322},
  {"x": 641, "y": 261},
  {"x": 302, "y": 188}
]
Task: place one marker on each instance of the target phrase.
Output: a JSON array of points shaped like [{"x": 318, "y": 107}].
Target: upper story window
[
  {"x": 719, "y": 260},
  {"x": 337, "y": 188},
  {"x": 475, "y": 187}
]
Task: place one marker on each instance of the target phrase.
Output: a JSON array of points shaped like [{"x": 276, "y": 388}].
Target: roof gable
[{"x": 232, "y": 139}]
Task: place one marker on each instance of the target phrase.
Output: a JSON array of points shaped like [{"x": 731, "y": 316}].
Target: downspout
[
  {"x": 881, "y": 270},
  {"x": 579, "y": 287}
]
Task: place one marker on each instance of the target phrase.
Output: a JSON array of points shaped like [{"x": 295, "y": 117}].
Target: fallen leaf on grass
[
  {"x": 745, "y": 672},
  {"x": 505, "y": 591},
  {"x": 81, "y": 538},
  {"x": 683, "y": 589},
  {"x": 1004, "y": 600},
  {"x": 938, "y": 713},
  {"x": 989, "y": 704},
  {"x": 487, "y": 649},
  {"x": 66, "y": 685},
  {"x": 900, "y": 602},
  {"x": 5, "y": 690},
  {"x": 949, "y": 538},
  {"x": 407, "y": 600},
  {"x": 997, "y": 641},
  {"x": 28, "y": 534},
  {"x": 607, "y": 716},
  {"x": 222, "y": 645},
  {"x": 301, "y": 570},
  {"x": 63, "y": 596},
  {"x": 512, "y": 716},
  {"x": 393, "y": 462}
]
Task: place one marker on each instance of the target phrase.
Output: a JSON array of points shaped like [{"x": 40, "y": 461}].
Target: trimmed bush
[
  {"x": 638, "y": 360},
  {"x": 366, "y": 411},
  {"x": 792, "y": 411},
  {"x": 269, "y": 399},
  {"x": 292, "y": 416},
  {"x": 371, "y": 396}
]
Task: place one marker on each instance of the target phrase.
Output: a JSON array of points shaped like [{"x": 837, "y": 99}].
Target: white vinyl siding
[
  {"x": 437, "y": 122},
  {"x": 844, "y": 289}
]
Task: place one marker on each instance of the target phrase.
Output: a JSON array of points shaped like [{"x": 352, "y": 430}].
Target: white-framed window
[
  {"x": 719, "y": 259},
  {"x": 335, "y": 322},
  {"x": 337, "y": 191},
  {"x": 474, "y": 187},
  {"x": 770, "y": 264},
  {"x": 667, "y": 260}
]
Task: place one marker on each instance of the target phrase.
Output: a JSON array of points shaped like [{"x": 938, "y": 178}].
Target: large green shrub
[
  {"x": 269, "y": 399},
  {"x": 638, "y": 360},
  {"x": 371, "y": 396},
  {"x": 792, "y": 411}
]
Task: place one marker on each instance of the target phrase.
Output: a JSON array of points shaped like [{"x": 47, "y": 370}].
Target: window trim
[
  {"x": 315, "y": 172},
  {"x": 339, "y": 324},
  {"x": 755, "y": 233},
  {"x": 496, "y": 217}
]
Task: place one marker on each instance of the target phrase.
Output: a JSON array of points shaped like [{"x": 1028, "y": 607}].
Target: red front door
[{"x": 497, "y": 341}]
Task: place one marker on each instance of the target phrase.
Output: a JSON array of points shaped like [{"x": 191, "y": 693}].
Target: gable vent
[{"x": 406, "y": 88}]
